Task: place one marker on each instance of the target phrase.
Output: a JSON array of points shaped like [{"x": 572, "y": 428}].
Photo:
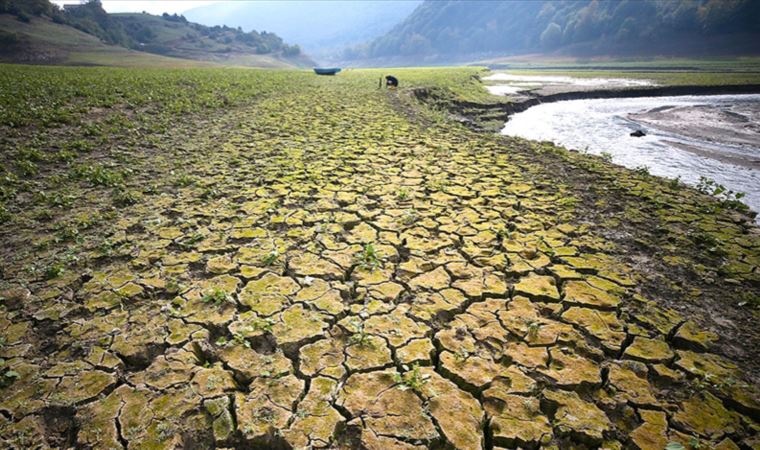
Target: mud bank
[{"x": 482, "y": 116}]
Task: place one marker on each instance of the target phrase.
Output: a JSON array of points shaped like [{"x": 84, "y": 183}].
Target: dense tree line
[{"x": 469, "y": 27}]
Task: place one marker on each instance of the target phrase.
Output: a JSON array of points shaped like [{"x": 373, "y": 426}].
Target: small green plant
[
  {"x": 105, "y": 248},
  {"x": 27, "y": 168},
  {"x": 98, "y": 175},
  {"x": 216, "y": 296},
  {"x": 641, "y": 170},
  {"x": 606, "y": 156},
  {"x": 675, "y": 182},
  {"x": 123, "y": 197},
  {"x": 57, "y": 199},
  {"x": 7, "y": 376},
  {"x": 369, "y": 258},
  {"x": 728, "y": 198},
  {"x": 173, "y": 287},
  {"x": 165, "y": 431},
  {"x": 5, "y": 215},
  {"x": 270, "y": 258},
  {"x": 695, "y": 443},
  {"x": 533, "y": 329},
  {"x": 261, "y": 324},
  {"x": 30, "y": 154},
  {"x": 358, "y": 334},
  {"x": 409, "y": 218},
  {"x": 211, "y": 193},
  {"x": 411, "y": 379},
  {"x": 54, "y": 271},
  {"x": 402, "y": 195},
  {"x": 238, "y": 338},
  {"x": 183, "y": 180},
  {"x": 189, "y": 242}
]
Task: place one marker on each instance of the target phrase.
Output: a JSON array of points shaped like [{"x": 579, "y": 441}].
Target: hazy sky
[{"x": 151, "y": 6}]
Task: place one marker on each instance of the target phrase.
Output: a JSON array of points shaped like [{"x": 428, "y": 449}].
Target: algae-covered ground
[{"x": 211, "y": 258}]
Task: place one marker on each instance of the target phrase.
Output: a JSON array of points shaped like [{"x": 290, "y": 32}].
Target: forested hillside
[
  {"x": 168, "y": 35},
  {"x": 452, "y": 29}
]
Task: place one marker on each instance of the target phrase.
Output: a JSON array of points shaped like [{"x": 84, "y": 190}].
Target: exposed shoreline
[
  {"x": 527, "y": 101},
  {"x": 492, "y": 117}
]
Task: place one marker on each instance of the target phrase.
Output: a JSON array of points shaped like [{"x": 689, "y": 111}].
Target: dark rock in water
[{"x": 638, "y": 133}]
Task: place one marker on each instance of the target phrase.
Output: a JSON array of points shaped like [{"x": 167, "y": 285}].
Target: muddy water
[{"x": 688, "y": 136}]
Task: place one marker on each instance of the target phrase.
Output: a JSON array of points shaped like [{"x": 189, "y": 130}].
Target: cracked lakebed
[{"x": 343, "y": 274}]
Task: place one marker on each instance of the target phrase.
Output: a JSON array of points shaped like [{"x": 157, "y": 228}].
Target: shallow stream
[{"x": 717, "y": 137}]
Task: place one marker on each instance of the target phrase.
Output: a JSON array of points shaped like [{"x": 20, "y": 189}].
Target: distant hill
[
  {"x": 322, "y": 28},
  {"x": 451, "y": 31},
  {"x": 36, "y": 31},
  {"x": 175, "y": 36},
  {"x": 42, "y": 41}
]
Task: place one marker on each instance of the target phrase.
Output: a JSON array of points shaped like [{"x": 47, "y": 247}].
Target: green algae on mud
[{"x": 517, "y": 294}]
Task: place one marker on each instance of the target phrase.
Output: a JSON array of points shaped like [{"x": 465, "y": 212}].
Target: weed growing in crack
[
  {"x": 105, "y": 248},
  {"x": 123, "y": 197},
  {"x": 369, "y": 258},
  {"x": 7, "y": 376},
  {"x": 216, "y": 296},
  {"x": 260, "y": 324},
  {"x": 409, "y": 218},
  {"x": 173, "y": 287},
  {"x": 57, "y": 199},
  {"x": 98, "y": 175},
  {"x": 190, "y": 241},
  {"x": 533, "y": 329},
  {"x": 210, "y": 193},
  {"x": 402, "y": 195},
  {"x": 411, "y": 379},
  {"x": 5, "y": 215},
  {"x": 461, "y": 355},
  {"x": 237, "y": 339},
  {"x": 54, "y": 271},
  {"x": 183, "y": 180},
  {"x": 270, "y": 258},
  {"x": 358, "y": 334},
  {"x": 695, "y": 443},
  {"x": 165, "y": 430}
]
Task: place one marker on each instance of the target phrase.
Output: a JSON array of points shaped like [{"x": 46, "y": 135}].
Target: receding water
[
  {"x": 509, "y": 83},
  {"x": 717, "y": 137}
]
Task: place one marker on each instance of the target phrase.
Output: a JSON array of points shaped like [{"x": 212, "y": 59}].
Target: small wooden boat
[{"x": 326, "y": 70}]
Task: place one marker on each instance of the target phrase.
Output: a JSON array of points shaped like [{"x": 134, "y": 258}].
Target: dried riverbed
[{"x": 322, "y": 264}]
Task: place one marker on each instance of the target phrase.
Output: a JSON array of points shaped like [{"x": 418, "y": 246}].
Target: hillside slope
[
  {"x": 322, "y": 28},
  {"x": 45, "y": 34},
  {"x": 41, "y": 41},
  {"x": 457, "y": 30},
  {"x": 175, "y": 36}
]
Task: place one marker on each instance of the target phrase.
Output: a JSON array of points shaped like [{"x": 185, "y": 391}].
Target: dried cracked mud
[{"x": 347, "y": 271}]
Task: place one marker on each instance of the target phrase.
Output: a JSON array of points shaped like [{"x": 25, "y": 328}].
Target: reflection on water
[{"x": 675, "y": 150}]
